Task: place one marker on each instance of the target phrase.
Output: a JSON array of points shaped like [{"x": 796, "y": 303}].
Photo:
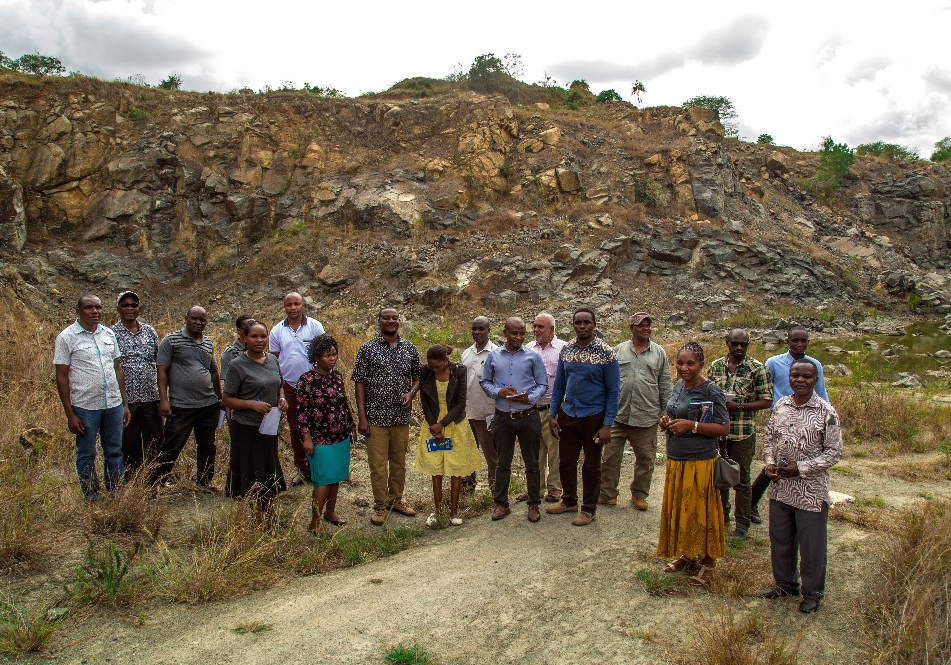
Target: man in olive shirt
[{"x": 645, "y": 389}]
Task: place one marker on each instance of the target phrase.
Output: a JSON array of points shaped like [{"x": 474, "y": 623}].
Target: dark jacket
[{"x": 455, "y": 395}]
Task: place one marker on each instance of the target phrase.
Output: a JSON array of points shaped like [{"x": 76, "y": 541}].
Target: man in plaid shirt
[{"x": 748, "y": 389}]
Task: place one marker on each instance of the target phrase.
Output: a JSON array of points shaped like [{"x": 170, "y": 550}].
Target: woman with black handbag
[{"x": 691, "y": 520}]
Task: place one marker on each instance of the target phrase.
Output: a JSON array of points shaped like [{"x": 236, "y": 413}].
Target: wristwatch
[{"x": 695, "y": 424}]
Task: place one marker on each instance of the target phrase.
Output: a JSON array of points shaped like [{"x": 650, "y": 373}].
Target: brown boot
[
  {"x": 583, "y": 519},
  {"x": 560, "y": 508}
]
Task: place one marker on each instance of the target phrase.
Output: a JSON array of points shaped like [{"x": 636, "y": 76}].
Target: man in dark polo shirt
[{"x": 189, "y": 396}]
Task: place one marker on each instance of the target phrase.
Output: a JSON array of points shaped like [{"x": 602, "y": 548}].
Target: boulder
[
  {"x": 669, "y": 250},
  {"x": 777, "y": 163},
  {"x": 907, "y": 380},
  {"x": 836, "y": 369},
  {"x": 550, "y": 137},
  {"x": 943, "y": 354},
  {"x": 334, "y": 276},
  {"x": 835, "y": 350},
  {"x": 836, "y": 498},
  {"x": 707, "y": 326},
  {"x": 568, "y": 180}
]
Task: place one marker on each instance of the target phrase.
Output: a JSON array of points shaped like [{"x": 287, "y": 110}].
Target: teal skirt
[{"x": 330, "y": 464}]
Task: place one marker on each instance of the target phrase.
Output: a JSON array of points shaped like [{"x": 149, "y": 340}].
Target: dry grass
[
  {"x": 910, "y": 608},
  {"x": 131, "y": 510},
  {"x": 898, "y": 423},
  {"x": 21, "y": 631},
  {"x": 727, "y": 639},
  {"x": 745, "y": 571}
]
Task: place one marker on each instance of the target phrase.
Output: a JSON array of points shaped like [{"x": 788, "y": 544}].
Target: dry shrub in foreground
[
  {"x": 230, "y": 555},
  {"x": 131, "y": 510},
  {"x": 874, "y": 413},
  {"x": 745, "y": 571},
  {"x": 910, "y": 610},
  {"x": 21, "y": 631},
  {"x": 745, "y": 640}
]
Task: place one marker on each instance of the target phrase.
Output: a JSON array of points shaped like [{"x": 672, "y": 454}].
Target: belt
[
  {"x": 513, "y": 415},
  {"x": 542, "y": 407}
]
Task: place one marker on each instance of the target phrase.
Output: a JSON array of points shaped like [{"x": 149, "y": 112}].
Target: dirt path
[{"x": 504, "y": 592}]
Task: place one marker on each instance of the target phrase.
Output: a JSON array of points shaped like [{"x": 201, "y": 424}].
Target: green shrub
[
  {"x": 942, "y": 150},
  {"x": 609, "y": 95},
  {"x": 103, "y": 575},
  {"x": 173, "y": 82},
  {"x": 890, "y": 151},
  {"x": 407, "y": 654},
  {"x": 764, "y": 139},
  {"x": 652, "y": 194},
  {"x": 491, "y": 74},
  {"x": 135, "y": 113},
  {"x": 20, "y": 632},
  {"x": 835, "y": 160},
  {"x": 36, "y": 63},
  {"x": 505, "y": 170}
]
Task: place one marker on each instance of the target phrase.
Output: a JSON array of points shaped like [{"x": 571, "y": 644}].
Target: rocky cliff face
[{"x": 463, "y": 200}]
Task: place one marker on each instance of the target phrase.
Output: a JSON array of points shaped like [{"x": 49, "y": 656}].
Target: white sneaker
[
  {"x": 431, "y": 520},
  {"x": 455, "y": 521}
]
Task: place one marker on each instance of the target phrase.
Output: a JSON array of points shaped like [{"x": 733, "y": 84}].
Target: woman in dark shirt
[
  {"x": 691, "y": 519},
  {"x": 328, "y": 428},
  {"x": 252, "y": 388}
]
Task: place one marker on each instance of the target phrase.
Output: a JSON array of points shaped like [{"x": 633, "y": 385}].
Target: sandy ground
[{"x": 503, "y": 592}]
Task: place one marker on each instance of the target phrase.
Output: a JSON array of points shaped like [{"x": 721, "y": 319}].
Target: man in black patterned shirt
[
  {"x": 386, "y": 373},
  {"x": 138, "y": 342}
]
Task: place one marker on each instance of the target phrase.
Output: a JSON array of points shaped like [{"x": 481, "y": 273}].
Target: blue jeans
[{"x": 107, "y": 423}]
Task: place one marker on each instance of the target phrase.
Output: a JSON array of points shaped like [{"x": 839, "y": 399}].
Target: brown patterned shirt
[{"x": 809, "y": 435}]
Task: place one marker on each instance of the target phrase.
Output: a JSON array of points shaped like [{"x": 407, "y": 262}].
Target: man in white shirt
[
  {"x": 92, "y": 389},
  {"x": 288, "y": 342},
  {"x": 480, "y": 406},
  {"x": 549, "y": 347}
]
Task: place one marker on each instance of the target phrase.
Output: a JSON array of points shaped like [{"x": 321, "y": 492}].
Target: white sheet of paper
[
  {"x": 221, "y": 418},
  {"x": 271, "y": 422},
  {"x": 488, "y": 420}
]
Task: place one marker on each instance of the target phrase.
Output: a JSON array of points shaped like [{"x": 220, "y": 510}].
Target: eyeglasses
[
  {"x": 128, "y": 305},
  {"x": 743, "y": 344}
]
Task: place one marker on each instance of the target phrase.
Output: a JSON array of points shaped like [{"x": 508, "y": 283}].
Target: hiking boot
[
  {"x": 560, "y": 508},
  {"x": 639, "y": 503},
  {"x": 402, "y": 509},
  {"x": 583, "y": 519},
  {"x": 378, "y": 516},
  {"x": 605, "y": 501}
]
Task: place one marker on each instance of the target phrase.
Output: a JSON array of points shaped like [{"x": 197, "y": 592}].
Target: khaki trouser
[
  {"x": 644, "y": 443},
  {"x": 548, "y": 457},
  {"x": 386, "y": 454}
]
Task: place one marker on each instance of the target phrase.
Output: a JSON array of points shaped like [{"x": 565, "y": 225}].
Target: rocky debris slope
[{"x": 431, "y": 203}]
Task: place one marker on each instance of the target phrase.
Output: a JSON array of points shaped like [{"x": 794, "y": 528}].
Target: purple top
[{"x": 322, "y": 407}]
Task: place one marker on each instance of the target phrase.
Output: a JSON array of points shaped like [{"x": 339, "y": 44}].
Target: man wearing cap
[
  {"x": 142, "y": 437},
  {"x": 645, "y": 389},
  {"x": 92, "y": 389},
  {"x": 288, "y": 342},
  {"x": 549, "y": 347}
]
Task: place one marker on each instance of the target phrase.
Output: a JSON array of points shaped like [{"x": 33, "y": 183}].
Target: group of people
[{"x": 561, "y": 401}]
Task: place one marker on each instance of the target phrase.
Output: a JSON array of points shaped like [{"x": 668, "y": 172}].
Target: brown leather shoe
[
  {"x": 522, "y": 497},
  {"x": 583, "y": 519},
  {"x": 605, "y": 501},
  {"x": 639, "y": 503},
  {"x": 534, "y": 514},
  {"x": 560, "y": 508},
  {"x": 500, "y": 511},
  {"x": 402, "y": 509},
  {"x": 553, "y": 497},
  {"x": 378, "y": 517}
]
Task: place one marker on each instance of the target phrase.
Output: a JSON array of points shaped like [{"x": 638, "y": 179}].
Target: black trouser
[
  {"x": 504, "y": 432},
  {"x": 577, "y": 434},
  {"x": 142, "y": 438},
  {"x": 758, "y": 489},
  {"x": 203, "y": 421},
  {"x": 740, "y": 451},
  {"x": 795, "y": 532}
]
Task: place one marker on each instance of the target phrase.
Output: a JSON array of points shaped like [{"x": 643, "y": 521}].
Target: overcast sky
[{"x": 858, "y": 71}]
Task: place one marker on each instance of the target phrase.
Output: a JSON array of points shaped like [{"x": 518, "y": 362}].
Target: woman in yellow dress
[{"x": 446, "y": 444}]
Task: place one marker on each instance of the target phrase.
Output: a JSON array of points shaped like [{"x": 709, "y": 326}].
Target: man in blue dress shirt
[
  {"x": 584, "y": 403},
  {"x": 515, "y": 378}
]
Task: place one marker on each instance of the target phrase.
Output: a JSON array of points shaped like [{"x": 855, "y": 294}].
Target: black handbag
[{"x": 726, "y": 472}]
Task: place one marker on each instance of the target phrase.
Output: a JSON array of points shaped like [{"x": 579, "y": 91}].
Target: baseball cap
[
  {"x": 126, "y": 294},
  {"x": 638, "y": 317}
]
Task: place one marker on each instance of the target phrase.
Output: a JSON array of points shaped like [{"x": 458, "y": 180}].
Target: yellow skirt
[{"x": 691, "y": 519}]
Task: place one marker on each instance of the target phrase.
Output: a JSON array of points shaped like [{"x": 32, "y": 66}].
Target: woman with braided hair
[
  {"x": 691, "y": 520},
  {"x": 327, "y": 426}
]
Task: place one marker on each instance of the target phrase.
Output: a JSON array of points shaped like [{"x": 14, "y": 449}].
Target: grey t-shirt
[
  {"x": 247, "y": 379},
  {"x": 190, "y": 366},
  {"x": 232, "y": 352},
  {"x": 683, "y": 404}
]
